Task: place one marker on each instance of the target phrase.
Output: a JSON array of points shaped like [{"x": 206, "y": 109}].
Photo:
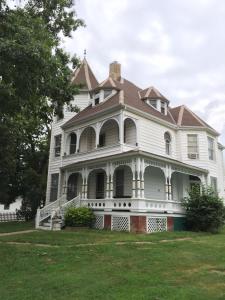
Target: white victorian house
[{"x": 128, "y": 155}]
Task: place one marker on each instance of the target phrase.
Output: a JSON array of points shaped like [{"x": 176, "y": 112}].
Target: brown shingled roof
[
  {"x": 128, "y": 95},
  {"x": 109, "y": 83},
  {"x": 84, "y": 76},
  {"x": 185, "y": 117},
  {"x": 151, "y": 93}
]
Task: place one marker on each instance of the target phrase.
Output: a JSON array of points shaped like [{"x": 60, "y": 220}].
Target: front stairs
[{"x": 51, "y": 217}]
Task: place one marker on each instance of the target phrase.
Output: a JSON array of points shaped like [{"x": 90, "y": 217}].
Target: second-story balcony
[{"x": 100, "y": 140}]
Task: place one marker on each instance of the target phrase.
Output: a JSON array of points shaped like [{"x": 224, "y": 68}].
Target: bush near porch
[
  {"x": 205, "y": 211},
  {"x": 79, "y": 217}
]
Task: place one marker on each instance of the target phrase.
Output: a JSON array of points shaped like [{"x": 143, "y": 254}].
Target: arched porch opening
[
  {"x": 154, "y": 182},
  {"x": 74, "y": 185},
  {"x": 181, "y": 184},
  {"x": 122, "y": 182},
  {"x": 97, "y": 184},
  {"x": 87, "y": 140},
  {"x": 109, "y": 133},
  {"x": 130, "y": 132}
]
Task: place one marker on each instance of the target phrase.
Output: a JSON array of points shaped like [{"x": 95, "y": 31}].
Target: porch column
[
  {"x": 108, "y": 181},
  {"x": 84, "y": 183},
  {"x": 121, "y": 127},
  {"x": 169, "y": 188},
  {"x": 97, "y": 135},
  {"x": 133, "y": 179},
  {"x": 111, "y": 172},
  {"x": 138, "y": 178},
  {"x": 142, "y": 179},
  {"x": 78, "y": 140}
]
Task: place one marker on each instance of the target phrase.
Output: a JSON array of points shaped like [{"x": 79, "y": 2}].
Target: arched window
[
  {"x": 167, "y": 139},
  {"x": 73, "y": 143}
]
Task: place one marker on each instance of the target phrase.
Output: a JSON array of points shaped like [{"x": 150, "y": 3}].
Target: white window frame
[
  {"x": 211, "y": 151},
  {"x": 192, "y": 154}
]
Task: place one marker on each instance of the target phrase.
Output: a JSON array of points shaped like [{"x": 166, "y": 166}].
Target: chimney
[{"x": 115, "y": 70}]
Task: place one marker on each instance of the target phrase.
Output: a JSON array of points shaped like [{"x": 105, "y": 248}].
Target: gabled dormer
[
  {"x": 109, "y": 86},
  {"x": 155, "y": 99}
]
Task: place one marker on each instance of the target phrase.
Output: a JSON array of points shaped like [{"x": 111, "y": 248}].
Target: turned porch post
[{"x": 133, "y": 167}]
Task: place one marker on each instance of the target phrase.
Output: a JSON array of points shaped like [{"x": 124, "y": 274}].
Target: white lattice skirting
[
  {"x": 156, "y": 224},
  {"x": 99, "y": 222},
  {"x": 120, "y": 223}
]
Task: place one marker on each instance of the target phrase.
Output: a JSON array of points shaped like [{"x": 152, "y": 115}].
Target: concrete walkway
[{"x": 17, "y": 232}]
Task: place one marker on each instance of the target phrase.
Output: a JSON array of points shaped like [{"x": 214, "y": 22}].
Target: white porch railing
[{"x": 133, "y": 204}]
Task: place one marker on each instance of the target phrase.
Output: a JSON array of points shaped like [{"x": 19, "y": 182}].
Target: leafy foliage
[
  {"x": 35, "y": 84},
  {"x": 81, "y": 216},
  {"x": 205, "y": 211}
]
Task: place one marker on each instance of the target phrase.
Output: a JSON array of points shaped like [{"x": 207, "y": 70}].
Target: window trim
[
  {"x": 213, "y": 152},
  {"x": 57, "y": 148},
  {"x": 168, "y": 142},
  {"x": 192, "y": 155}
]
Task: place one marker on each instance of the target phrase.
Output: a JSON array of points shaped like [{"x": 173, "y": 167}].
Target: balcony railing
[
  {"x": 135, "y": 205},
  {"x": 96, "y": 153}
]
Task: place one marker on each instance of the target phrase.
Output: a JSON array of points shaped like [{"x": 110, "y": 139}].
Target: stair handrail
[
  {"x": 46, "y": 211},
  {"x": 75, "y": 202}
]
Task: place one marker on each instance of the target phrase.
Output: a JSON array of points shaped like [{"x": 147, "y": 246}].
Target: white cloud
[{"x": 178, "y": 46}]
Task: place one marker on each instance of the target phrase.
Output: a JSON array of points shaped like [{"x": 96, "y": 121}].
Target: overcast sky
[{"x": 176, "y": 46}]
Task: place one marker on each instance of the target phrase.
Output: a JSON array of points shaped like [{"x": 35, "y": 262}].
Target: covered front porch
[{"x": 134, "y": 183}]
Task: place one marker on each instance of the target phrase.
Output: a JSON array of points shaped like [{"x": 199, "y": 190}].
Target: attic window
[
  {"x": 107, "y": 93},
  {"x": 163, "y": 107},
  {"x": 153, "y": 103},
  {"x": 96, "y": 101}
]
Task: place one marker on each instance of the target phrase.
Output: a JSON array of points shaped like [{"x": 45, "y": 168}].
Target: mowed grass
[
  {"x": 90, "y": 264},
  {"x": 15, "y": 226}
]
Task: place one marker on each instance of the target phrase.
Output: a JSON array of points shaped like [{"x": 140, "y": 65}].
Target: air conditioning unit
[{"x": 193, "y": 155}]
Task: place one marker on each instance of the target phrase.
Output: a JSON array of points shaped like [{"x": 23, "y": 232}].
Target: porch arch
[
  {"x": 87, "y": 139},
  {"x": 122, "y": 182},
  {"x": 181, "y": 184},
  {"x": 74, "y": 185},
  {"x": 130, "y": 132},
  {"x": 154, "y": 183},
  {"x": 96, "y": 184},
  {"x": 109, "y": 133}
]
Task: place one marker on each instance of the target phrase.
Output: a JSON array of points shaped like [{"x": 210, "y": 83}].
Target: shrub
[
  {"x": 205, "y": 211},
  {"x": 81, "y": 216}
]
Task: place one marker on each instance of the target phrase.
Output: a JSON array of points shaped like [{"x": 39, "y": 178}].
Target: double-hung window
[
  {"x": 58, "y": 139},
  {"x": 192, "y": 146},
  {"x": 211, "y": 150}
]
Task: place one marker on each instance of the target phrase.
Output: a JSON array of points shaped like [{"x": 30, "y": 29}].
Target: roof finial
[{"x": 85, "y": 52}]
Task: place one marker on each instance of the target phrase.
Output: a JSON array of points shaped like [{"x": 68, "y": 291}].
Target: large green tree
[{"x": 35, "y": 83}]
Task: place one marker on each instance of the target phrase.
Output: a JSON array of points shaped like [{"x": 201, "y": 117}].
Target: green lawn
[
  {"x": 15, "y": 226},
  {"x": 89, "y": 264}
]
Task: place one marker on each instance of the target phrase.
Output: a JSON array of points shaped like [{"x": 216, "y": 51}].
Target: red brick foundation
[
  {"x": 107, "y": 222},
  {"x": 170, "y": 224},
  {"x": 138, "y": 223}
]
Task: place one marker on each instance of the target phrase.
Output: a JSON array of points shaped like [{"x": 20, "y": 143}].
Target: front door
[{"x": 100, "y": 185}]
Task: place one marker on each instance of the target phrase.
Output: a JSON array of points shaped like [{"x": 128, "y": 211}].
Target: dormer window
[
  {"x": 107, "y": 93},
  {"x": 153, "y": 103},
  {"x": 97, "y": 99},
  {"x": 163, "y": 107}
]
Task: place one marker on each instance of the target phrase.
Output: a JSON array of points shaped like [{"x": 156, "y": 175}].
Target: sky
[{"x": 176, "y": 46}]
